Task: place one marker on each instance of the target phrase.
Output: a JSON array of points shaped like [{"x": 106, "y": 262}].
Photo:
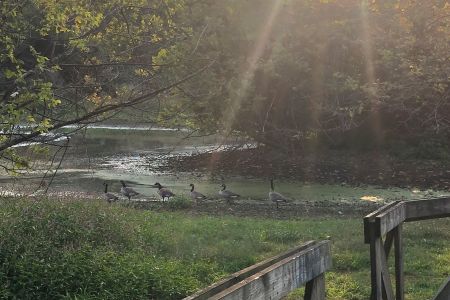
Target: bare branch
[{"x": 105, "y": 109}]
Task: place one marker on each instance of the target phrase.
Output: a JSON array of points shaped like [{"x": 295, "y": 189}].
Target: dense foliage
[
  {"x": 75, "y": 62},
  {"x": 290, "y": 74},
  {"x": 336, "y": 73}
]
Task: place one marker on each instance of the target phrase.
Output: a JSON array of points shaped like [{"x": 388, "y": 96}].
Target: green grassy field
[{"x": 53, "y": 249}]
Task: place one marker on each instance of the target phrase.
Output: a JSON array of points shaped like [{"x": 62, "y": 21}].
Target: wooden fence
[
  {"x": 382, "y": 228},
  {"x": 444, "y": 291},
  {"x": 275, "y": 277}
]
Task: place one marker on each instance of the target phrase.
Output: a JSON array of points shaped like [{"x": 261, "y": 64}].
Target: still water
[{"x": 135, "y": 155}]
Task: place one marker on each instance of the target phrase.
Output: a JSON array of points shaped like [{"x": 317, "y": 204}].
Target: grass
[{"x": 54, "y": 249}]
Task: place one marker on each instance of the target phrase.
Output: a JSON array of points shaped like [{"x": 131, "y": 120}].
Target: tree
[
  {"x": 76, "y": 62},
  {"x": 294, "y": 74}
]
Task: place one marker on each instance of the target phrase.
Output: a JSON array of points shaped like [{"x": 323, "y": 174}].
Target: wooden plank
[
  {"x": 375, "y": 266},
  {"x": 388, "y": 243},
  {"x": 284, "y": 276},
  {"x": 389, "y": 219},
  {"x": 427, "y": 209},
  {"x": 444, "y": 291},
  {"x": 372, "y": 236},
  {"x": 375, "y": 213},
  {"x": 370, "y": 218},
  {"x": 388, "y": 292},
  {"x": 387, "y": 248},
  {"x": 315, "y": 289},
  {"x": 399, "y": 278},
  {"x": 241, "y": 275}
]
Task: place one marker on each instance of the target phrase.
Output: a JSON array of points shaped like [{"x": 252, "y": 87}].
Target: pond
[{"x": 110, "y": 154}]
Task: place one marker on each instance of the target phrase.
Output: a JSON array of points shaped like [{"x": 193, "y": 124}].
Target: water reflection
[{"x": 98, "y": 155}]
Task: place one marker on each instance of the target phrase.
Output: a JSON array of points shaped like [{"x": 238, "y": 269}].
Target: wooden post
[
  {"x": 315, "y": 288},
  {"x": 375, "y": 267},
  {"x": 388, "y": 221},
  {"x": 369, "y": 219},
  {"x": 388, "y": 292},
  {"x": 399, "y": 279},
  {"x": 377, "y": 225},
  {"x": 388, "y": 243}
]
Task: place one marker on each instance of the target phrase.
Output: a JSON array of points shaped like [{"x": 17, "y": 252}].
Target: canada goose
[
  {"x": 109, "y": 197},
  {"x": 127, "y": 191},
  {"x": 163, "y": 192},
  {"x": 274, "y": 196},
  {"x": 196, "y": 195},
  {"x": 227, "y": 195}
]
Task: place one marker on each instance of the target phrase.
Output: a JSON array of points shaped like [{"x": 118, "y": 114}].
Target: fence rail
[
  {"x": 274, "y": 278},
  {"x": 444, "y": 291},
  {"x": 306, "y": 265},
  {"x": 382, "y": 228}
]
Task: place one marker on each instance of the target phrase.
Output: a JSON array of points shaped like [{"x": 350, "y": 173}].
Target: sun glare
[
  {"x": 370, "y": 71},
  {"x": 248, "y": 72}
]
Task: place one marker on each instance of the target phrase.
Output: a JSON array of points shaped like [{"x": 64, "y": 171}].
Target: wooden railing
[
  {"x": 382, "y": 228},
  {"x": 275, "y": 277},
  {"x": 444, "y": 291}
]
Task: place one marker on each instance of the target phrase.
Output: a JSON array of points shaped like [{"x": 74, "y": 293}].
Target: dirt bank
[{"x": 331, "y": 167}]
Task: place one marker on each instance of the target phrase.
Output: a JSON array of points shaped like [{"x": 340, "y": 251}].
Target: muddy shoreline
[
  {"x": 267, "y": 210},
  {"x": 333, "y": 167}
]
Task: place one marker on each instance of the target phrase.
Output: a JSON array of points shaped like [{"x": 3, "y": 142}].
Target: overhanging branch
[{"x": 104, "y": 109}]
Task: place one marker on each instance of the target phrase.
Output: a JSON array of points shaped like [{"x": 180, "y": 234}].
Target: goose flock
[{"x": 166, "y": 194}]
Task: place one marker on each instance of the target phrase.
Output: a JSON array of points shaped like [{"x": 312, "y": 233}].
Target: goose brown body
[
  {"x": 227, "y": 195},
  {"x": 275, "y": 196},
  {"x": 196, "y": 195},
  {"x": 127, "y": 191},
  {"x": 109, "y": 197},
  {"x": 163, "y": 192}
]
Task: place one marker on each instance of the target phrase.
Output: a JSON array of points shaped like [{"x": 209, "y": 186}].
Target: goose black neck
[
  {"x": 271, "y": 184},
  {"x": 224, "y": 187},
  {"x": 192, "y": 188},
  {"x": 106, "y": 188},
  {"x": 123, "y": 184}
]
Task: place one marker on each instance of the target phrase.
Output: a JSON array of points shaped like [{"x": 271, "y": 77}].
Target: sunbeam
[
  {"x": 370, "y": 73},
  {"x": 248, "y": 73}
]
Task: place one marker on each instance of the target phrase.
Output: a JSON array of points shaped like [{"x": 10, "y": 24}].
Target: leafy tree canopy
[
  {"x": 74, "y": 62},
  {"x": 293, "y": 73},
  {"x": 286, "y": 73}
]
